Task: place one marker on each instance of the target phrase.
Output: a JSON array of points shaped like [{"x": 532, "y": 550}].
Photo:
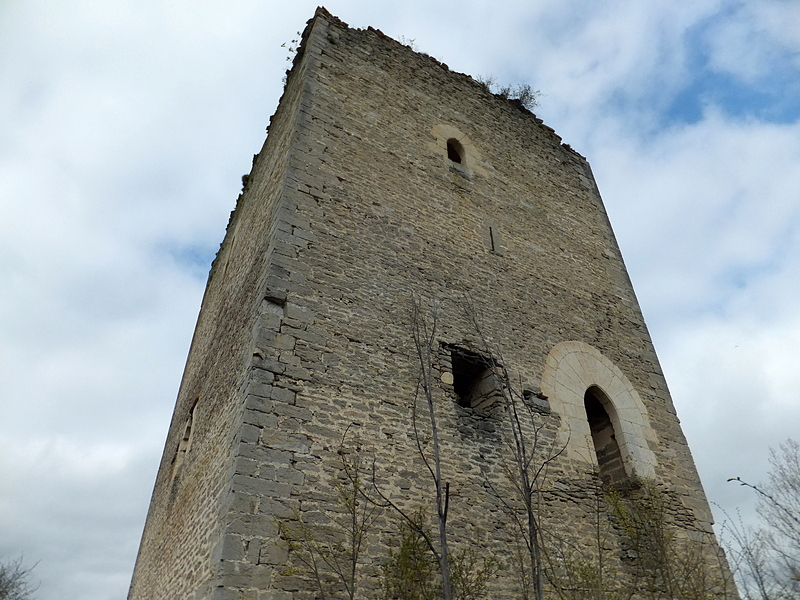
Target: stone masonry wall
[
  {"x": 186, "y": 517},
  {"x": 353, "y": 210}
]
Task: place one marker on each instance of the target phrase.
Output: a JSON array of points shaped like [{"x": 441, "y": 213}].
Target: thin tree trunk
[{"x": 424, "y": 339}]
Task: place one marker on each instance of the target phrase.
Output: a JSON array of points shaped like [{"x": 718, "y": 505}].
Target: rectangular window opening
[{"x": 475, "y": 380}]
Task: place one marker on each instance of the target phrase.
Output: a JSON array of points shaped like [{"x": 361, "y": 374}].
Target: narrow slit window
[
  {"x": 184, "y": 444},
  {"x": 492, "y": 238}
]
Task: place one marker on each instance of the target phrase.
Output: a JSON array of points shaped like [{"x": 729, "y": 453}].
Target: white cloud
[
  {"x": 735, "y": 384},
  {"x": 131, "y": 123},
  {"x": 755, "y": 36},
  {"x": 708, "y": 217},
  {"x": 702, "y": 210},
  {"x": 75, "y": 508}
]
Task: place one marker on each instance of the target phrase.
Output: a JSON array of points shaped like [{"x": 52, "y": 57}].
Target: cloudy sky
[{"x": 125, "y": 128}]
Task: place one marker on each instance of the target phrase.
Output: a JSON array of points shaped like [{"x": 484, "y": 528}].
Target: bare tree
[
  {"x": 767, "y": 558},
  {"x": 667, "y": 562},
  {"x": 464, "y": 575},
  {"x": 423, "y": 329},
  {"x": 530, "y": 454},
  {"x": 16, "y": 580},
  {"x": 751, "y": 560},
  {"x": 332, "y": 554},
  {"x": 584, "y": 571}
]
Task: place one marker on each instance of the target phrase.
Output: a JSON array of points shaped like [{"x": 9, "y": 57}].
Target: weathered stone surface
[{"x": 352, "y": 208}]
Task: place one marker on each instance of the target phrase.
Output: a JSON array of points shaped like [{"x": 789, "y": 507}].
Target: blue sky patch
[
  {"x": 194, "y": 258},
  {"x": 773, "y": 97}
]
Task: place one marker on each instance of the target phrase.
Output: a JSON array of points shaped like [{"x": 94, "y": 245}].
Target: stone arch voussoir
[{"x": 573, "y": 367}]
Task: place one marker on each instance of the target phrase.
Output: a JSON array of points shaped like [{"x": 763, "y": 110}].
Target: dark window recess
[
  {"x": 609, "y": 457},
  {"x": 455, "y": 151},
  {"x": 184, "y": 444},
  {"x": 474, "y": 381}
]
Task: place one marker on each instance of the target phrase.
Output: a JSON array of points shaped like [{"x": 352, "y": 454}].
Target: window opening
[
  {"x": 491, "y": 238},
  {"x": 609, "y": 457},
  {"x": 455, "y": 151},
  {"x": 474, "y": 380},
  {"x": 184, "y": 444}
]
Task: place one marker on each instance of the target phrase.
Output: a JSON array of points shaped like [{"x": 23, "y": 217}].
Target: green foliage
[
  {"x": 522, "y": 93},
  {"x": 664, "y": 565},
  {"x": 642, "y": 515},
  {"x": 412, "y": 571},
  {"x": 472, "y": 573},
  {"x": 580, "y": 571},
  {"x": 409, "y": 42},
  {"x": 330, "y": 554},
  {"x": 659, "y": 561},
  {"x": 487, "y": 82},
  {"x": 526, "y": 95},
  {"x": 587, "y": 581}
]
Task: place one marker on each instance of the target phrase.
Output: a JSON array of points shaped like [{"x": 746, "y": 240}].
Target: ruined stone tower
[{"x": 388, "y": 181}]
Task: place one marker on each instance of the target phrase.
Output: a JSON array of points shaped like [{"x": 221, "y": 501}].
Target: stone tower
[{"x": 387, "y": 181}]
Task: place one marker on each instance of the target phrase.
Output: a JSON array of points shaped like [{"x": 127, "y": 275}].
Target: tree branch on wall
[
  {"x": 530, "y": 457},
  {"x": 331, "y": 554},
  {"x": 767, "y": 558}
]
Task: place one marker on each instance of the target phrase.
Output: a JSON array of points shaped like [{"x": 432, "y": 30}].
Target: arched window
[
  {"x": 459, "y": 154},
  {"x": 455, "y": 151},
  {"x": 609, "y": 457},
  {"x": 572, "y": 370}
]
